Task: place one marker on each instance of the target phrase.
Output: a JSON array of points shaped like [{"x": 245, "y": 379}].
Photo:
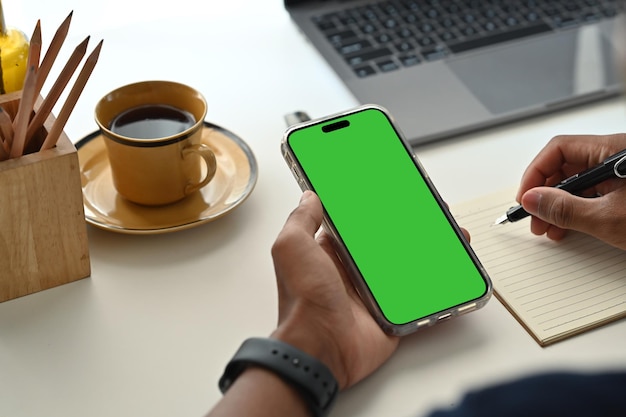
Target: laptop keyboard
[{"x": 388, "y": 35}]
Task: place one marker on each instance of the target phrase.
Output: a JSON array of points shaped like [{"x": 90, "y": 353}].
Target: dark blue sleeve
[{"x": 548, "y": 395}]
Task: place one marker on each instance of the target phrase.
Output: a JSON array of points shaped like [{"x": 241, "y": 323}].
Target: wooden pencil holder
[{"x": 43, "y": 233}]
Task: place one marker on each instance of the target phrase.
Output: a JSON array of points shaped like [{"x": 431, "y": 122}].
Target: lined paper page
[{"x": 554, "y": 289}]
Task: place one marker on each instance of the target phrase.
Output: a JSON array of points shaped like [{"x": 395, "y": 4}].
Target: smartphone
[{"x": 406, "y": 255}]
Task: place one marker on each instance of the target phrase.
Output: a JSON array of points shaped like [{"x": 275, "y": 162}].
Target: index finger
[
  {"x": 307, "y": 217},
  {"x": 566, "y": 155}
]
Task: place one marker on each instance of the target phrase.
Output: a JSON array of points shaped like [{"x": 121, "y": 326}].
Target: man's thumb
[{"x": 552, "y": 205}]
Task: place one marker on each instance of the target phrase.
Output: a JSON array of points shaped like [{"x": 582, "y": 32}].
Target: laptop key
[
  {"x": 426, "y": 41},
  {"x": 566, "y": 22},
  {"x": 387, "y": 65},
  {"x": 365, "y": 56},
  {"x": 404, "y": 46},
  {"x": 432, "y": 54},
  {"x": 447, "y": 36},
  {"x": 404, "y": 33},
  {"x": 409, "y": 60},
  {"x": 326, "y": 25},
  {"x": 383, "y": 38},
  {"x": 364, "y": 71},
  {"x": 342, "y": 37},
  {"x": 368, "y": 28},
  {"x": 353, "y": 47},
  {"x": 347, "y": 19}
]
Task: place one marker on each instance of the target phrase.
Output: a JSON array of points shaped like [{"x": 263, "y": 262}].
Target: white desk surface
[{"x": 148, "y": 334}]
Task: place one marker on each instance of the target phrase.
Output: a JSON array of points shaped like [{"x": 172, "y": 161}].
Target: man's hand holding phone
[{"x": 319, "y": 310}]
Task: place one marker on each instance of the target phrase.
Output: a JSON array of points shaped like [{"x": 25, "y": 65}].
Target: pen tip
[{"x": 501, "y": 220}]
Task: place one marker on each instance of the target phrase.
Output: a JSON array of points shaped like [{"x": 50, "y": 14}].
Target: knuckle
[
  {"x": 282, "y": 243},
  {"x": 286, "y": 241}
]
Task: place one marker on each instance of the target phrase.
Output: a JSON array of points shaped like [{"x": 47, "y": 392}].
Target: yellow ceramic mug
[{"x": 153, "y": 135}]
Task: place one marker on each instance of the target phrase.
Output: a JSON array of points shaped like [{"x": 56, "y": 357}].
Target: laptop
[{"x": 447, "y": 67}]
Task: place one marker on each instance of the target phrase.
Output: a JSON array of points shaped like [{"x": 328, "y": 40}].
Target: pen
[{"x": 612, "y": 167}]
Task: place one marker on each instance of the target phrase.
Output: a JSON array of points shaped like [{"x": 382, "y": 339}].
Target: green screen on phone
[{"x": 411, "y": 258}]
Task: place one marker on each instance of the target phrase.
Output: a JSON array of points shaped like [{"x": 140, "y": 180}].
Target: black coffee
[{"x": 152, "y": 121}]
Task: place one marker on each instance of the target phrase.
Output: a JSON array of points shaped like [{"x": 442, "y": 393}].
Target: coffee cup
[{"x": 152, "y": 131}]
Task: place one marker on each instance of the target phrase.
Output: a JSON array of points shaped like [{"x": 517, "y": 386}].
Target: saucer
[{"x": 234, "y": 180}]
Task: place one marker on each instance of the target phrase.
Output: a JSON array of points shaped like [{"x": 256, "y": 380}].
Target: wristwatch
[{"x": 309, "y": 376}]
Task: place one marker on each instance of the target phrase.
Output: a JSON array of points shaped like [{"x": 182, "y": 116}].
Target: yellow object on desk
[{"x": 13, "y": 56}]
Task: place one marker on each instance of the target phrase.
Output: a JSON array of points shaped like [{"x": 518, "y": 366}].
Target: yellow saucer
[{"x": 234, "y": 180}]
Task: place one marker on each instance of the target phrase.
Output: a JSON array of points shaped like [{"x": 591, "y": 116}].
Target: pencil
[
  {"x": 25, "y": 108},
  {"x": 52, "y": 52},
  {"x": 6, "y": 128},
  {"x": 6, "y": 133},
  {"x": 72, "y": 98},
  {"x": 57, "y": 88}
]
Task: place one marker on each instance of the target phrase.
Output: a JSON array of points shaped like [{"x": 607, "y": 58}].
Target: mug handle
[{"x": 209, "y": 159}]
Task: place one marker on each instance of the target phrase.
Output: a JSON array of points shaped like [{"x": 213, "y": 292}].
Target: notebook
[
  {"x": 446, "y": 67},
  {"x": 554, "y": 289}
]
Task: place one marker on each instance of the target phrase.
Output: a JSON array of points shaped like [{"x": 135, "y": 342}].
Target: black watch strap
[{"x": 312, "y": 378}]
